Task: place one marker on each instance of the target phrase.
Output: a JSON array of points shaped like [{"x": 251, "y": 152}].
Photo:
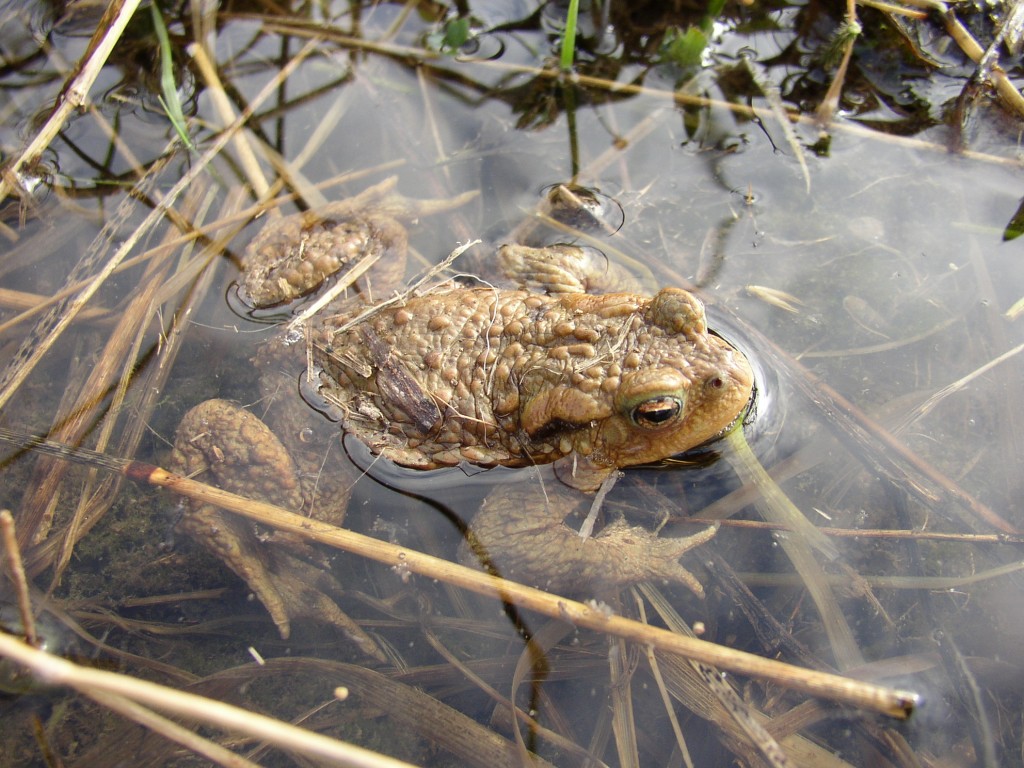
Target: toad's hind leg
[{"x": 228, "y": 446}]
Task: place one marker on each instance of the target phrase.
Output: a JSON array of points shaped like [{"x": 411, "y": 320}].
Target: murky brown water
[{"x": 874, "y": 291}]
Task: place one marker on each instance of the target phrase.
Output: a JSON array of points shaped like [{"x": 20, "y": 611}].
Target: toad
[{"x": 546, "y": 367}]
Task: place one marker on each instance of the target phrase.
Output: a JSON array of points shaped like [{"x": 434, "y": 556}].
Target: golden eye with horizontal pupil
[{"x": 657, "y": 412}]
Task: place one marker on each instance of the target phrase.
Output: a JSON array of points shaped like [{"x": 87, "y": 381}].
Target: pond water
[{"x": 868, "y": 267}]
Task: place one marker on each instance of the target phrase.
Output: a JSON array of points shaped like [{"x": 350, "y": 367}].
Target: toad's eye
[{"x": 657, "y": 412}]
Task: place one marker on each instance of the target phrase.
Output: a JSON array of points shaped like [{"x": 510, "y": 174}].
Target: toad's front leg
[{"x": 520, "y": 533}]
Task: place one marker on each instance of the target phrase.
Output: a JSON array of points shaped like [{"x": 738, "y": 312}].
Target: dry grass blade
[
  {"x": 83, "y": 406},
  {"x": 741, "y": 721},
  {"x": 849, "y": 533},
  {"x": 56, "y": 671},
  {"x": 956, "y": 386},
  {"x": 410, "y": 290},
  {"x": 34, "y": 302},
  {"x": 623, "y": 721},
  {"x": 703, "y": 691},
  {"x": 666, "y": 701},
  {"x": 215, "y": 89}
]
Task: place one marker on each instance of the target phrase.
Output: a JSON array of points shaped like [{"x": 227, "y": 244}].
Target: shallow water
[{"x": 873, "y": 291}]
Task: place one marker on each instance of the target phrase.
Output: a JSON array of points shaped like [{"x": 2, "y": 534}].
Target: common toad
[{"x": 532, "y": 371}]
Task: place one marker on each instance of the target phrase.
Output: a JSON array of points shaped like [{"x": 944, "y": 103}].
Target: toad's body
[
  {"x": 513, "y": 378},
  {"x": 532, "y": 374}
]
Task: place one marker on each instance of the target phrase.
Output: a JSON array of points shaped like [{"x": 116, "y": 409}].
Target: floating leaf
[
  {"x": 456, "y": 33},
  {"x": 686, "y": 49}
]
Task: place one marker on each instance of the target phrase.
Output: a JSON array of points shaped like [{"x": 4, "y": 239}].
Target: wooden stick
[{"x": 869, "y": 696}]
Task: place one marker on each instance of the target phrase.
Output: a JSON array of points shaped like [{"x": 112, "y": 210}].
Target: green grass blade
[
  {"x": 170, "y": 100},
  {"x": 569, "y": 38}
]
